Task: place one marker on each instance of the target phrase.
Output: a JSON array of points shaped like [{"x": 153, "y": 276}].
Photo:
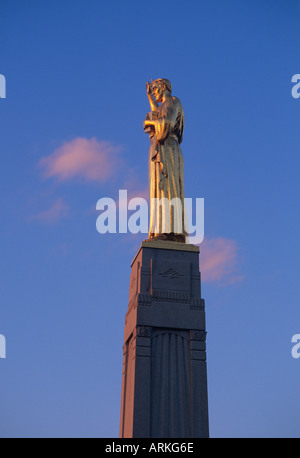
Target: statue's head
[{"x": 159, "y": 87}]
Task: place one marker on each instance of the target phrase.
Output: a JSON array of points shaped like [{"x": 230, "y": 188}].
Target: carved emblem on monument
[{"x": 170, "y": 273}]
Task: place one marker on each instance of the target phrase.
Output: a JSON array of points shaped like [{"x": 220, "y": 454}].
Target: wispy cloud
[
  {"x": 88, "y": 159},
  {"x": 53, "y": 214},
  {"x": 135, "y": 188},
  {"x": 219, "y": 261}
]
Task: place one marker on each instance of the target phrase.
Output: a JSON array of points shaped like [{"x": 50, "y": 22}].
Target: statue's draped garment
[{"x": 166, "y": 170}]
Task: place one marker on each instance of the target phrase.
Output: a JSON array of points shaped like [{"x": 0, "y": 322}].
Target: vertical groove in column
[{"x": 170, "y": 384}]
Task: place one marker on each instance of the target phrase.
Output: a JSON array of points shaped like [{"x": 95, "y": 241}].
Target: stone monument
[{"x": 164, "y": 378}]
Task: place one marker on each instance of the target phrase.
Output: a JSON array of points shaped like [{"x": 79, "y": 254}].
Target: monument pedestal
[{"x": 164, "y": 379}]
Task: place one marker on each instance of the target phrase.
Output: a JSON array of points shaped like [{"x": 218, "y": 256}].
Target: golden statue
[{"x": 165, "y": 124}]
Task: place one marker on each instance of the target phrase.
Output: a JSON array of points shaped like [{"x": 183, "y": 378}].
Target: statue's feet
[{"x": 171, "y": 237}]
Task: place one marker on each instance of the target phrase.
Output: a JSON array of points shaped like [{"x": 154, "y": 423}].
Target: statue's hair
[{"x": 165, "y": 82}]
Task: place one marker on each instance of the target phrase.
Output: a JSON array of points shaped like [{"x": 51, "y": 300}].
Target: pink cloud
[
  {"x": 141, "y": 192},
  {"x": 219, "y": 261},
  {"x": 136, "y": 185},
  {"x": 90, "y": 159},
  {"x": 53, "y": 214}
]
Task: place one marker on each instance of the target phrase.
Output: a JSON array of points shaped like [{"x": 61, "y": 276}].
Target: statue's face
[{"x": 158, "y": 91}]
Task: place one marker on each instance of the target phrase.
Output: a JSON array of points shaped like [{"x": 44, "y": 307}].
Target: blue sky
[{"x": 75, "y": 74}]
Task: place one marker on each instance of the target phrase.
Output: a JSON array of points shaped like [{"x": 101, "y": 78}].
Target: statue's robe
[{"x": 166, "y": 170}]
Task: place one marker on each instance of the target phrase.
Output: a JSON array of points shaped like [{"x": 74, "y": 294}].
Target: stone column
[{"x": 164, "y": 380}]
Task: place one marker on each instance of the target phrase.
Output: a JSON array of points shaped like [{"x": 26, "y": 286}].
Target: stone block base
[{"x": 164, "y": 379}]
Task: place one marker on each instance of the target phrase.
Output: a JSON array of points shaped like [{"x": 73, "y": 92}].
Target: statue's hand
[
  {"x": 149, "y": 88},
  {"x": 148, "y": 125}
]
